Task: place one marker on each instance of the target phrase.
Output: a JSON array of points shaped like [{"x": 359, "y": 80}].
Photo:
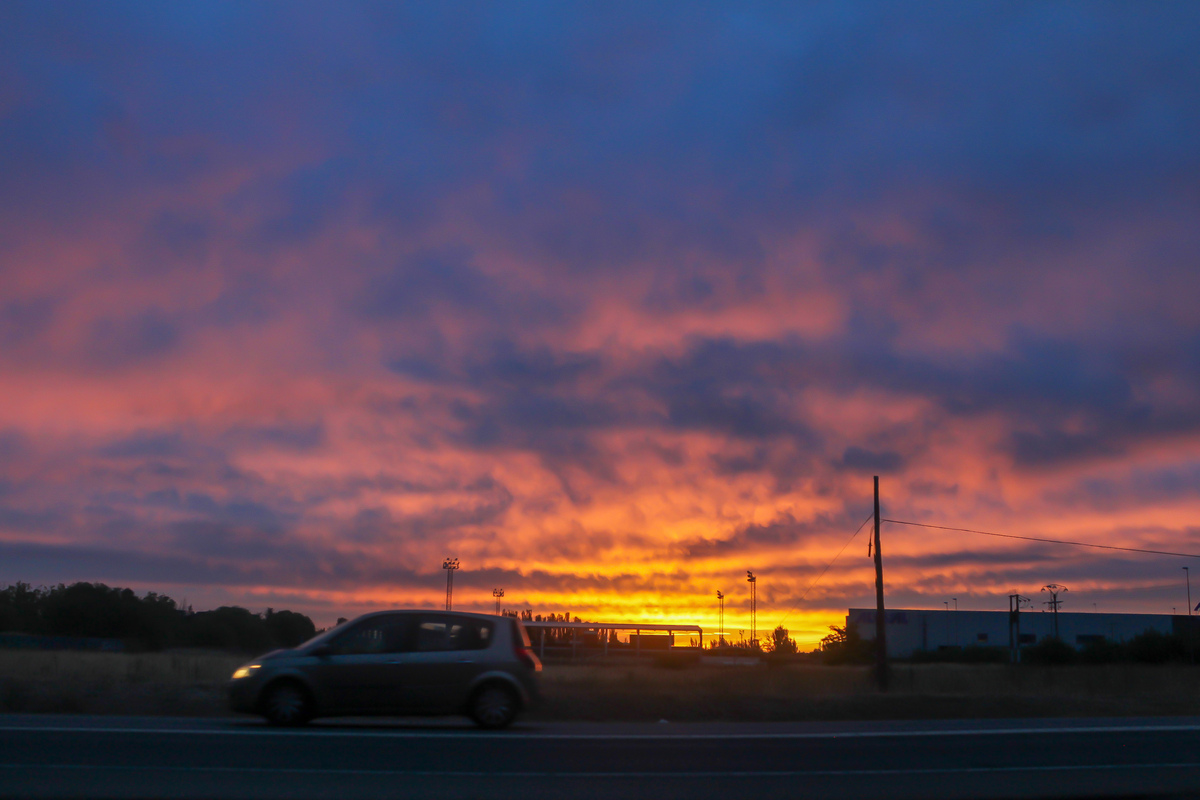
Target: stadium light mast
[
  {"x": 753, "y": 581},
  {"x": 720, "y": 619},
  {"x": 1055, "y": 590},
  {"x": 450, "y": 565},
  {"x": 497, "y": 593}
]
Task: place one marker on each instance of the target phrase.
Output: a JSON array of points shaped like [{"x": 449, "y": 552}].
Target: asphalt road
[{"x": 124, "y": 757}]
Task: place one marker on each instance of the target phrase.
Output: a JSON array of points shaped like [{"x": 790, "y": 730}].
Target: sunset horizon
[{"x": 611, "y": 304}]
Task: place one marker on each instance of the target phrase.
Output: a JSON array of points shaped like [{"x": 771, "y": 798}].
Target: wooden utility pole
[{"x": 881, "y": 665}]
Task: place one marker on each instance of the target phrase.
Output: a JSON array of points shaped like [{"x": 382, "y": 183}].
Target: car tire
[
  {"x": 286, "y": 704},
  {"x": 494, "y": 706}
]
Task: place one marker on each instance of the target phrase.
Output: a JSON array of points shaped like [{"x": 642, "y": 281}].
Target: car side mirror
[{"x": 320, "y": 651}]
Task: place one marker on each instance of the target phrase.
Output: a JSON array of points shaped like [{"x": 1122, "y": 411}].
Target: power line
[
  {"x": 1039, "y": 539},
  {"x": 827, "y": 566}
]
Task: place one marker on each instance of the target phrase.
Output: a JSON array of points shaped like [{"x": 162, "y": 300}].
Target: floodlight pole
[
  {"x": 450, "y": 565},
  {"x": 881, "y": 665},
  {"x": 497, "y": 593},
  {"x": 753, "y": 581},
  {"x": 720, "y": 619}
]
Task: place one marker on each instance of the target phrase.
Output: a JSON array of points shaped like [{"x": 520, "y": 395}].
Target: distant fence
[
  {"x": 593, "y": 640},
  {"x": 28, "y": 641}
]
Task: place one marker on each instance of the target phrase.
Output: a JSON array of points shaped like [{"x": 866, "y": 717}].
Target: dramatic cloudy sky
[{"x": 611, "y": 301}]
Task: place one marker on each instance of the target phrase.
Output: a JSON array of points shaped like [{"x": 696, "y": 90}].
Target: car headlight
[{"x": 246, "y": 671}]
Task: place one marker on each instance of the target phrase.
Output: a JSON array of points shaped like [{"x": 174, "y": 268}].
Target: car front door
[{"x": 362, "y": 672}]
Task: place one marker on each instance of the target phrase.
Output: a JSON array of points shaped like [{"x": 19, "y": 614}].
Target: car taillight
[{"x": 526, "y": 657}]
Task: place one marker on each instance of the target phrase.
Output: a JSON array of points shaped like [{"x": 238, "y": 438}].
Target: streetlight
[
  {"x": 753, "y": 581},
  {"x": 720, "y": 619},
  {"x": 497, "y": 593},
  {"x": 450, "y": 565},
  {"x": 955, "y": 599}
]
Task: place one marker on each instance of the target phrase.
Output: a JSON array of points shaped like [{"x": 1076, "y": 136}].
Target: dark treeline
[{"x": 150, "y": 622}]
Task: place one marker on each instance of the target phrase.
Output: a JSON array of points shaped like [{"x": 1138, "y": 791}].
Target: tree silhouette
[
  {"x": 780, "y": 643},
  {"x": 150, "y": 622}
]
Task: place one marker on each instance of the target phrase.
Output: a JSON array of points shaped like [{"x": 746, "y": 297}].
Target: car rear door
[{"x": 448, "y": 652}]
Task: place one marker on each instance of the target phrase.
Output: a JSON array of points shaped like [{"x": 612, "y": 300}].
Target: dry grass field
[
  {"x": 184, "y": 683},
  {"x": 823, "y": 693},
  {"x": 192, "y": 684}
]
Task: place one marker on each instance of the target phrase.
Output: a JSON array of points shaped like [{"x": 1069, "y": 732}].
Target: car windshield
[{"x": 326, "y": 634}]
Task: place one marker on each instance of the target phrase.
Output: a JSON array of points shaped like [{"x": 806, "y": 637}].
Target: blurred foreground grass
[{"x": 193, "y": 684}]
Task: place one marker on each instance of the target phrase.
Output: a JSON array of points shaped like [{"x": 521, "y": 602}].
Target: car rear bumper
[{"x": 532, "y": 692}]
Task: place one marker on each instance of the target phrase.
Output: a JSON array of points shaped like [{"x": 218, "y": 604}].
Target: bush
[
  {"x": 1049, "y": 651},
  {"x": 1153, "y": 647},
  {"x": 962, "y": 655},
  {"x": 845, "y": 646},
  {"x": 1103, "y": 651}
]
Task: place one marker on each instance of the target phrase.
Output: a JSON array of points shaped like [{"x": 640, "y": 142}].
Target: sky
[{"x": 611, "y": 301}]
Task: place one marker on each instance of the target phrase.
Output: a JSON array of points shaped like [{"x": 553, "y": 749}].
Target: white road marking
[
  {"x": 433, "y": 733},
  {"x": 523, "y": 774}
]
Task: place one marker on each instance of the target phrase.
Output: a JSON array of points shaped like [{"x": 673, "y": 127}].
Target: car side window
[
  {"x": 452, "y": 633},
  {"x": 386, "y": 634}
]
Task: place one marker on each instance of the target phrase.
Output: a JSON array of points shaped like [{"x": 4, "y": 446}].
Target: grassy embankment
[{"x": 193, "y": 684}]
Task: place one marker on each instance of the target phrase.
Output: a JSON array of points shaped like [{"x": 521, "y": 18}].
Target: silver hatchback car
[{"x": 397, "y": 663}]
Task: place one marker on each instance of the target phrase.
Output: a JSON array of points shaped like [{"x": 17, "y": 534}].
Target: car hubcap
[
  {"x": 494, "y": 706},
  {"x": 286, "y": 704}
]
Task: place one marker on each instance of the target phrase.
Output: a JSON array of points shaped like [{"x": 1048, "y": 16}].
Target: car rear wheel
[
  {"x": 494, "y": 706},
  {"x": 286, "y": 703}
]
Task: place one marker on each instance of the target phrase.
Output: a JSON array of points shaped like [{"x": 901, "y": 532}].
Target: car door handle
[
  {"x": 394, "y": 661},
  {"x": 466, "y": 661}
]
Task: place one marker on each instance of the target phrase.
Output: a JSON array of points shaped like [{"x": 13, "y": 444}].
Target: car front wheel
[
  {"x": 287, "y": 703},
  {"x": 494, "y": 706}
]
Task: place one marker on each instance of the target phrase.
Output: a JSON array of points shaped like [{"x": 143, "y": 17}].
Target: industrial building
[{"x": 910, "y": 630}]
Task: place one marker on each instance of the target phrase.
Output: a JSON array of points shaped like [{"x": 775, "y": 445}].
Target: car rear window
[{"x": 452, "y": 633}]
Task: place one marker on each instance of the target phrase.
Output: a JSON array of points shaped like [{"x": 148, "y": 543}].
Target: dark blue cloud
[
  {"x": 862, "y": 460},
  {"x": 22, "y": 321},
  {"x": 995, "y": 201},
  {"x": 116, "y": 342}
]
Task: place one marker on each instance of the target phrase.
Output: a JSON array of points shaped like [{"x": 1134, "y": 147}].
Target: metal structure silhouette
[
  {"x": 450, "y": 565},
  {"x": 753, "y": 581},
  {"x": 720, "y": 619},
  {"x": 1055, "y": 590},
  {"x": 497, "y": 593},
  {"x": 1014, "y": 626}
]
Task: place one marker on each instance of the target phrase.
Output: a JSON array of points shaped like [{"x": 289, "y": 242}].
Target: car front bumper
[{"x": 243, "y": 695}]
